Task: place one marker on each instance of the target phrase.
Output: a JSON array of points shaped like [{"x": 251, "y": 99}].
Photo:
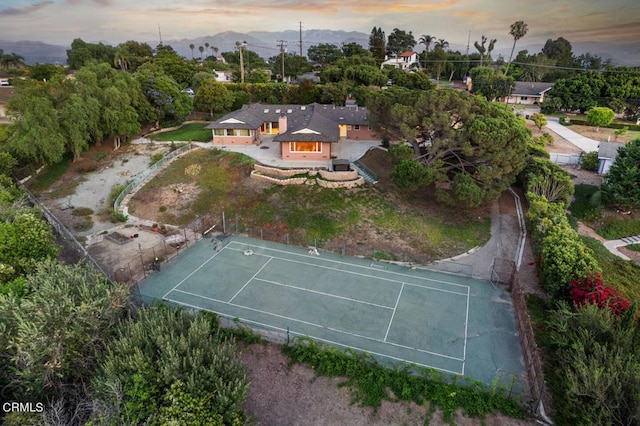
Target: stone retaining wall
[
  {"x": 341, "y": 184},
  {"x": 279, "y": 181},
  {"x": 279, "y": 173},
  {"x": 339, "y": 176}
]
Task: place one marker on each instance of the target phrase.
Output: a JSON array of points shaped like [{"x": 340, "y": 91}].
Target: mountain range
[{"x": 267, "y": 44}]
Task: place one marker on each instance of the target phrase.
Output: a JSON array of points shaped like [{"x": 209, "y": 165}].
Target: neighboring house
[
  {"x": 607, "y": 153},
  {"x": 6, "y": 93},
  {"x": 307, "y": 76},
  {"x": 404, "y": 61},
  {"x": 529, "y": 93},
  {"x": 304, "y": 132},
  {"x": 224, "y": 76}
]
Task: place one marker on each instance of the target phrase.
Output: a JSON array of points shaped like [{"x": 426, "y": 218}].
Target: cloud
[{"x": 14, "y": 11}]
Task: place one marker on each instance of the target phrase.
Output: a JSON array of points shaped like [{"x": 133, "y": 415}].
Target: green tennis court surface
[{"x": 454, "y": 324}]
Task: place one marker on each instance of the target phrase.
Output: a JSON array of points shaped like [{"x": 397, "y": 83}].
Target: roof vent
[
  {"x": 289, "y": 111},
  {"x": 278, "y": 111},
  {"x": 266, "y": 110}
]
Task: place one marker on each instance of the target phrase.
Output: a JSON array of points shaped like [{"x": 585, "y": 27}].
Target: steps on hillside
[
  {"x": 365, "y": 172},
  {"x": 631, "y": 240}
]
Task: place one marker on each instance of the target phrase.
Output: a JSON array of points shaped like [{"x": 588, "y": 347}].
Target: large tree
[
  {"x": 490, "y": 83},
  {"x": 324, "y": 54},
  {"x": 213, "y": 97},
  {"x": 621, "y": 187},
  {"x": 378, "y": 44},
  {"x": 471, "y": 149},
  {"x": 400, "y": 41},
  {"x": 35, "y": 135}
]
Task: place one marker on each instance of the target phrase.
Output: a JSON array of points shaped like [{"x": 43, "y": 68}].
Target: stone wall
[
  {"x": 279, "y": 173},
  {"x": 279, "y": 181},
  {"x": 339, "y": 176},
  {"x": 341, "y": 184}
]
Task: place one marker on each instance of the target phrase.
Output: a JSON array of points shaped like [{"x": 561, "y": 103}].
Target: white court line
[
  {"x": 250, "y": 279},
  {"x": 194, "y": 271},
  {"x": 466, "y": 328},
  {"x": 318, "y": 325},
  {"x": 394, "y": 313},
  {"x": 324, "y": 294},
  {"x": 359, "y": 273},
  {"x": 244, "y": 320},
  {"x": 352, "y": 265}
]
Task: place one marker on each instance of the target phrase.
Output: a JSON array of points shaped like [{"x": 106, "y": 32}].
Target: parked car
[{"x": 188, "y": 91}]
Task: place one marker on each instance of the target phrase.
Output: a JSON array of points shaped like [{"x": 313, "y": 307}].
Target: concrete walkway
[{"x": 612, "y": 245}]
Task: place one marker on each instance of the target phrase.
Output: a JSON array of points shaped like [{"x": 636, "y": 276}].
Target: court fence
[
  {"x": 504, "y": 273},
  {"x": 176, "y": 239}
]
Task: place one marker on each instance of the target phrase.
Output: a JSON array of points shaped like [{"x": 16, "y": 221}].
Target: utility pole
[
  {"x": 282, "y": 45},
  {"x": 300, "y": 43},
  {"x": 159, "y": 34},
  {"x": 239, "y": 46}
]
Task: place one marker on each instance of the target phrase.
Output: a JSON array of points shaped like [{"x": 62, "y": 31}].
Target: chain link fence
[
  {"x": 149, "y": 171},
  {"x": 504, "y": 273},
  {"x": 65, "y": 237}
]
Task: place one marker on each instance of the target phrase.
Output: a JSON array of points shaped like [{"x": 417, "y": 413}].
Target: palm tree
[
  {"x": 426, "y": 39},
  {"x": 492, "y": 44},
  {"x": 214, "y": 51},
  {"x": 442, "y": 44},
  {"x": 518, "y": 30},
  {"x": 480, "y": 47},
  {"x": 201, "y": 49},
  {"x": 206, "y": 48},
  {"x": 439, "y": 49},
  {"x": 192, "y": 46},
  {"x": 121, "y": 60}
]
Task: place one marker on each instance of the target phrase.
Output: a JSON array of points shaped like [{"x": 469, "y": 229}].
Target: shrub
[
  {"x": 590, "y": 161},
  {"x": 155, "y": 158},
  {"x": 591, "y": 290},
  {"x": 118, "y": 217}
]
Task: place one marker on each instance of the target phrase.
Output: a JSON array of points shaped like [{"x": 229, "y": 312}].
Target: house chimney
[{"x": 282, "y": 123}]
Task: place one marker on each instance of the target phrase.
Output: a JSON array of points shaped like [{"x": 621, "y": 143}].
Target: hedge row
[{"x": 569, "y": 121}]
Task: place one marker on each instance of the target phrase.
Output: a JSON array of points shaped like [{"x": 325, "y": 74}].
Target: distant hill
[
  {"x": 266, "y": 44},
  {"x": 35, "y": 52}
]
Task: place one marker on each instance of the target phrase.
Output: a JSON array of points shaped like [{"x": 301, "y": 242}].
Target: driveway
[{"x": 553, "y": 124}]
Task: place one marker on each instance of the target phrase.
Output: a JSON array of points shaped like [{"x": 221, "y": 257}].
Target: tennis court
[{"x": 451, "y": 323}]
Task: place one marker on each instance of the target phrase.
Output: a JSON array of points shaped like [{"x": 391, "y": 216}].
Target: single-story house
[
  {"x": 304, "y": 132},
  {"x": 404, "y": 61},
  {"x": 607, "y": 153},
  {"x": 529, "y": 93}
]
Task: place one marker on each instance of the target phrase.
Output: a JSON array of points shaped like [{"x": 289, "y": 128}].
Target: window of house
[
  {"x": 219, "y": 132},
  {"x": 356, "y": 127},
  {"x": 369, "y": 128},
  {"x": 524, "y": 98},
  {"x": 305, "y": 146},
  {"x": 241, "y": 132}
]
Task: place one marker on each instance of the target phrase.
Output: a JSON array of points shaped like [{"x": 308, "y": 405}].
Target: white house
[
  {"x": 404, "y": 61},
  {"x": 529, "y": 93},
  {"x": 607, "y": 153}
]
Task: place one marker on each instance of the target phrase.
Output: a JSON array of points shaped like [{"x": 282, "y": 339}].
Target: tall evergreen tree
[{"x": 377, "y": 44}]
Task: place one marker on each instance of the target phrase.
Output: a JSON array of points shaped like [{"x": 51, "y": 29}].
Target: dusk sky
[{"x": 115, "y": 21}]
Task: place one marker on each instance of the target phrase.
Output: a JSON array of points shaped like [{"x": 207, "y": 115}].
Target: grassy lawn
[
  {"x": 367, "y": 220},
  {"x": 634, "y": 247},
  {"x": 194, "y": 132}
]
